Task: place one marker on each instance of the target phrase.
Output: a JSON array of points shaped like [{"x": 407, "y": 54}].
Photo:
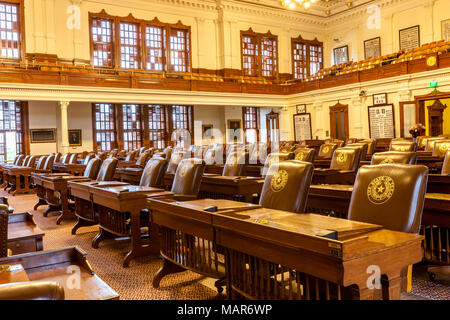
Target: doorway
[{"x": 339, "y": 122}]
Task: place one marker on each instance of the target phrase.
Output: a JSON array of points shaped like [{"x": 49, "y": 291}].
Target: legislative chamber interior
[{"x": 225, "y": 150}]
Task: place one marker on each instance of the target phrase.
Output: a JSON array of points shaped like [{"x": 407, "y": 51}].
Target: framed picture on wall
[
  {"x": 372, "y": 48},
  {"x": 380, "y": 98},
  {"x": 445, "y": 29},
  {"x": 43, "y": 135},
  {"x": 340, "y": 55},
  {"x": 75, "y": 138},
  {"x": 381, "y": 121},
  {"x": 234, "y": 129},
  {"x": 301, "y": 108},
  {"x": 207, "y": 132},
  {"x": 302, "y": 127},
  {"x": 409, "y": 38}
]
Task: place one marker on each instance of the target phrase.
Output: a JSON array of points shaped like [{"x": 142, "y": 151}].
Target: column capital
[{"x": 64, "y": 104}]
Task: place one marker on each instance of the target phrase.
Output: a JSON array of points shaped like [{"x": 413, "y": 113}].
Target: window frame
[
  {"x": 259, "y": 37},
  {"x": 21, "y": 33},
  {"x": 308, "y": 43},
  {"x": 143, "y": 24},
  {"x": 24, "y": 124},
  {"x": 257, "y": 115},
  {"x": 94, "y": 126},
  {"x": 119, "y": 131}
]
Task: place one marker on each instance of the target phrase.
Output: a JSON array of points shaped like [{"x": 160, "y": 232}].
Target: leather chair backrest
[
  {"x": 130, "y": 156},
  {"x": 188, "y": 177},
  {"x": 41, "y": 162},
  {"x": 446, "y": 164},
  {"x": 114, "y": 153},
  {"x": 440, "y": 148},
  {"x": 16, "y": 158},
  {"x": 142, "y": 150},
  {"x": 49, "y": 163},
  {"x": 305, "y": 154},
  {"x": 20, "y": 159},
  {"x": 107, "y": 169},
  {"x": 421, "y": 142},
  {"x": 275, "y": 158},
  {"x": 122, "y": 154},
  {"x": 88, "y": 158},
  {"x": 25, "y": 161},
  {"x": 236, "y": 164},
  {"x": 408, "y": 146},
  {"x": 210, "y": 156},
  {"x": 351, "y": 140},
  {"x": 153, "y": 174},
  {"x": 65, "y": 158},
  {"x": 346, "y": 159},
  {"x": 175, "y": 159},
  {"x": 390, "y": 157},
  {"x": 364, "y": 146},
  {"x": 286, "y": 186},
  {"x": 371, "y": 145},
  {"x": 339, "y": 143},
  {"x": 92, "y": 168},
  {"x": 326, "y": 150},
  {"x": 73, "y": 158},
  {"x": 391, "y": 195},
  {"x": 168, "y": 152},
  {"x": 142, "y": 160},
  {"x": 431, "y": 141},
  {"x": 31, "y": 162},
  {"x": 57, "y": 157}
]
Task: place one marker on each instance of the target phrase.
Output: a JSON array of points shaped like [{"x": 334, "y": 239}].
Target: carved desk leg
[
  {"x": 65, "y": 212},
  {"x": 167, "y": 268},
  {"x": 392, "y": 288},
  {"x": 137, "y": 249}
]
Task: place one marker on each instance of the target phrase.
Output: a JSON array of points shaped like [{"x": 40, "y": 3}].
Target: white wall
[{"x": 42, "y": 115}]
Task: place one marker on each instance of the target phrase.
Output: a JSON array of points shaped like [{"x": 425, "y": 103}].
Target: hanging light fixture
[{"x": 292, "y": 4}]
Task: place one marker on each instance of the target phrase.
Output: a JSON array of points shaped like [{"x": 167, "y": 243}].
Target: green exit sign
[{"x": 433, "y": 84}]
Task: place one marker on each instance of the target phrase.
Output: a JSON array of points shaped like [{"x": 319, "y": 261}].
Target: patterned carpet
[{"x": 134, "y": 283}]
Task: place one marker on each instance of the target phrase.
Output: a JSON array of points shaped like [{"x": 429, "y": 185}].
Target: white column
[
  {"x": 355, "y": 119},
  {"x": 64, "y": 126},
  {"x": 319, "y": 130}
]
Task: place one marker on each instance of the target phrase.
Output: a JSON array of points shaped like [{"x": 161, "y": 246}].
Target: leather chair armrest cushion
[{"x": 34, "y": 290}]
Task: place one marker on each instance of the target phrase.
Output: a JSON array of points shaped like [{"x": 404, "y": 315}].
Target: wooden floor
[{"x": 134, "y": 283}]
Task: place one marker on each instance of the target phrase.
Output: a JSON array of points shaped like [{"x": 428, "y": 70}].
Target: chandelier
[{"x": 292, "y": 4}]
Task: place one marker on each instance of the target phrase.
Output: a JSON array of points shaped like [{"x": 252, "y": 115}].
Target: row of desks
[{"x": 265, "y": 250}]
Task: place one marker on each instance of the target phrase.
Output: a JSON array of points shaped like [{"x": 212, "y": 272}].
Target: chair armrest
[
  {"x": 184, "y": 197},
  {"x": 34, "y": 290}
]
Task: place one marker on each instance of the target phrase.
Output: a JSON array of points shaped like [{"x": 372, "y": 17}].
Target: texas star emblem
[
  {"x": 380, "y": 190},
  {"x": 279, "y": 181}
]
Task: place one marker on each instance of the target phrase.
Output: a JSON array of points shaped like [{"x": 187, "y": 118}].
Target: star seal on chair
[
  {"x": 300, "y": 156},
  {"x": 342, "y": 157},
  {"x": 386, "y": 161},
  {"x": 279, "y": 181},
  {"x": 380, "y": 190}
]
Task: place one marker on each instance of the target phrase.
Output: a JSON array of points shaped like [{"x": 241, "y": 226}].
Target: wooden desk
[
  {"x": 130, "y": 175},
  {"x": 433, "y": 163},
  {"x": 219, "y": 187},
  {"x": 331, "y": 176},
  {"x": 13, "y": 177},
  {"x": 438, "y": 183},
  {"x": 253, "y": 170},
  {"x": 74, "y": 169},
  {"x": 202, "y": 255},
  {"x": 117, "y": 210},
  {"x": 85, "y": 210},
  {"x": 23, "y": 234},
  {"x": 54, "y": 266},
  {"x": 48, "y": 187},
  {"x": 322, "y": 256},
  {"x": 334, "y": 200},
  {"x": 322, "y": 163},
  {"x": 12, "y": 273}
]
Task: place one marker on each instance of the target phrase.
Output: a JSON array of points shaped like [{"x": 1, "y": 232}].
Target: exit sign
[{"x": 433, "y": 84}]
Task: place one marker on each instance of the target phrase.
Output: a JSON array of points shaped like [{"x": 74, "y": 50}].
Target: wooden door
[
  {"x": 273, "y": 128},
  {"x": 339, "y": 122},
  {"x": 436, "y": 118}
]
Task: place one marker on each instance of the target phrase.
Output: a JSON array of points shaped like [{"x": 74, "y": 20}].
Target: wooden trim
[
  {"x": 142, "y": 52},
  {"x": 259, "y": 37},
  {"x": 21, "y": 40},
  {"x": 275, "y": 116},
  {"x": 25, "y": 127},
  {"x": 338, "y": 107},
  {"x": 309, "y": 43},
  {"x": 94, "y": 127},
  {"x": 419, "y": 100}
]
